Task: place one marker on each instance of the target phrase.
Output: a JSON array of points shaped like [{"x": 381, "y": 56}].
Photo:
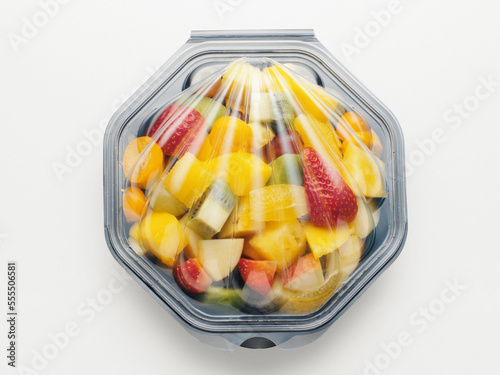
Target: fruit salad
[{"x": 256, "y": 188}]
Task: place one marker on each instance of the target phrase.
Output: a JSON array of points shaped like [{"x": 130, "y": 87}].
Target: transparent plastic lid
[{"x": 253, "y": 192}]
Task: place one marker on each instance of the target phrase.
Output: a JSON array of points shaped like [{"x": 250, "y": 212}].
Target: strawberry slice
[
  {"x": 258, "y": 275},
  {"x": 329, "y": 199},
  {"x": 191, "y": 277},
  {"x": 183, "y": 133}
]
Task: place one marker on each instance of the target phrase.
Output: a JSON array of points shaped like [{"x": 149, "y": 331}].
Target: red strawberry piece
[
  {"x": 258, "y": 275},
  {"x": 330, "y": 200},
  {"x": 192, "y": 277},
  {"x": 181, "y": 129},
  {"x": 286, "y": 143}
]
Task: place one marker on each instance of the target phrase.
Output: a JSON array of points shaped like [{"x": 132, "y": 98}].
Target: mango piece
[
  {"x": 134, "y": 202},
  {"x": 142, "y": 162},
  {"x": 163, "y": 236},
  {"x": 351, "y": 123},
  {"x": 230, "y": 134}
]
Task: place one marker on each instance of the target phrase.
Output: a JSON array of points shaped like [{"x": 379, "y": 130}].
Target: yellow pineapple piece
[
  {"x": 318, "y": 135},
  {"x": 188, "y": 179},
  {"x": 366, "y": 169},
  {"x": 273, "y": 80},
  {"x": 312, "y": 98},
  {"x": 278, "y": 202},
  {"x": 239, "y": 223},
  {"x": 241, "y": 170},
  {"x": 282, "y": 242},
  {"x": 162, "y": 235},
  {"x": 323, "y": 241}
]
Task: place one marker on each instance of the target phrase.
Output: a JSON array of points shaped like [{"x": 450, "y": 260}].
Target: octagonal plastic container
[{"x": 254, "y": 187}]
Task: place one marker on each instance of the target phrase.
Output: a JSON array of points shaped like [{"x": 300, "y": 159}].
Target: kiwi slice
[{"x": 212, "y": 210}]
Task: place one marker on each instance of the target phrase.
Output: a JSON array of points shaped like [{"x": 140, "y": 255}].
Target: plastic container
[{"x": 258, "y": 215}]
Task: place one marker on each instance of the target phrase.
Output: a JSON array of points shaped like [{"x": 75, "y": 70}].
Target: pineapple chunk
[
  {"x": 240, "y": 224},
  {"x": 312, "y": 98},
  {"x": 366, "y": 169},
  {"x": 188, "y": 180},
  {"x": 323, "y": 241},
  {"x": 318, "y": 135},
  {"x": 278, "y": 202},
  {"x": 241, "y": 170},
  {"x": 282, "y": 242}
]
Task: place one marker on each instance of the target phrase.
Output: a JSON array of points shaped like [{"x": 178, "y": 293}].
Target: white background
[{"x": 93, "y": 54}]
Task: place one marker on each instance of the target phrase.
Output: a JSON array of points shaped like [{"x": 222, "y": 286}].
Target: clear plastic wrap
[{"x": 253, "y": 191}]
